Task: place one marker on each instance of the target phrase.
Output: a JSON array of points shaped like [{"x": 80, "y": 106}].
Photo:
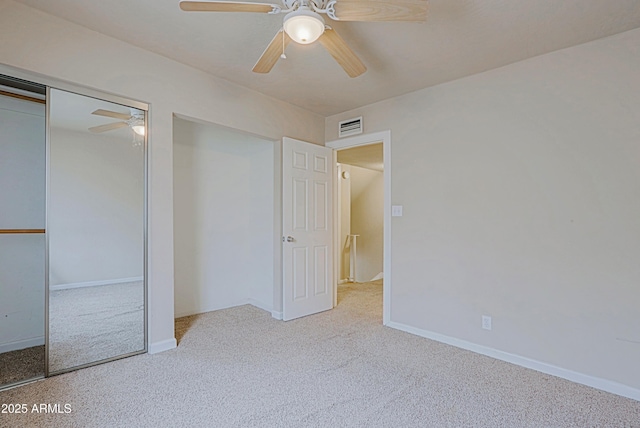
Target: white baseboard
[
  {"x": 162, "y": 346},
  {"x": 183, "y": 314},
  {"x": 592, "y": 381},
  {"x": 21, "y": 344},
  {"x": 94, "y": 283},
  {"x": 197, "y": 311},
  {"x": 252, "y": 302},
  {"x": 342, "y": 281},
  {"x": 260, "y": 305},
  {"x": 377, "y": 277}
]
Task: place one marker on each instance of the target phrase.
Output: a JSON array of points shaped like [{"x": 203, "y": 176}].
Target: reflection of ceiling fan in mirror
[
  {"x": 303, "y": 23},
  {"x": 135, "y": 121}
]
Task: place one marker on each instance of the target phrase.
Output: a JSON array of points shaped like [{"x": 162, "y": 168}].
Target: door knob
[{"x": 289, "y": 239}]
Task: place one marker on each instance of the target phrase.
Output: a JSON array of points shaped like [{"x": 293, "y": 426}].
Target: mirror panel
[
  {"x": 22, "y": 239},
  {"x": 95, "y": 231}
]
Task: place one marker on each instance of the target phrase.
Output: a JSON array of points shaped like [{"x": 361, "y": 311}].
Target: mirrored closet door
[
  {"x": 96, "y": 231},
  {"x": 22, "y": 232},
  {"x": 72, "y": 228}
]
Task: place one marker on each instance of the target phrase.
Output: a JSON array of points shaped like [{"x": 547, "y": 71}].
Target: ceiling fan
[
  {"x": 135, "y": 121},
  {"x": 304, "y": 24}
]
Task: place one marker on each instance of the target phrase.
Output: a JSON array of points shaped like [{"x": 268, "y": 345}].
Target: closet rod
[
  {"x": 7, "y": 231},
  {"x": 22, "y": 97}
]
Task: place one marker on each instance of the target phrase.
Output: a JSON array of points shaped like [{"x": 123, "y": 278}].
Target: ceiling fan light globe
[
  {"x": 138, "y": 129},
  {"x": 304, "y": 26}
]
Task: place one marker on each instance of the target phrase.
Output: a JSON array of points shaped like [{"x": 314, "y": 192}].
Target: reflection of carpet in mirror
[
  {"x": 23, "y": 364},
  {"x": 95, "y": 323}
]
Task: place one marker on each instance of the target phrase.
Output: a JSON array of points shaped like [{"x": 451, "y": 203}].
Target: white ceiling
[{"x": 460, "y": 38}]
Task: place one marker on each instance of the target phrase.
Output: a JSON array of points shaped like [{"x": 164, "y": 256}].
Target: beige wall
[
  {"x": 367, "y": 220},
  {"x": 521, "y": 195},
  {"x": 223, "y": 218},
  {"x": 40, "y": 43},
  {"x": 519, "y": 186}
]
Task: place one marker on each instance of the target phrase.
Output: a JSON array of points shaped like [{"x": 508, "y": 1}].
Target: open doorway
[
  {"x": 361, "y": 213},
  {"x": 360, "y": 175},
  {"x": 363, "y": 210}
]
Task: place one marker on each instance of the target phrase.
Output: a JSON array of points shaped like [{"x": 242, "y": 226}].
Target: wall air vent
[{"x": 350, "y": 127}]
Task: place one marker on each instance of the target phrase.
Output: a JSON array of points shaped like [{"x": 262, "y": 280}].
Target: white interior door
[{"x": 307, "y": 212}]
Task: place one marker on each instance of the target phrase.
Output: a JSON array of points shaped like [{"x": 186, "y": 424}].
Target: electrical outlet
[{"x": 486, "y": 322}]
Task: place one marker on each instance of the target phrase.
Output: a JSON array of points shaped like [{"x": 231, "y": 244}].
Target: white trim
[
  {"x": 277, "y": 315},
  {"x": 199, "y": 311},
  {"x": 364, "y": 140},
  {"x": 252, "y": 302},
  {"x": 177, "y": 315},
  {"x": 337, "y": 225},
  {"x": 259, "y": 305},
  {"x": 377, "y": 277},
  {"x": 68, "y": 86},
  {"x": 163, "y": 345},
  {"x": 21, "y": 344},
  {"x": 278, "y": 285},
  {"x": 360, "y": 140},
  {"x": 581, "y": 378},
  {"x": 95, "y": 283}
]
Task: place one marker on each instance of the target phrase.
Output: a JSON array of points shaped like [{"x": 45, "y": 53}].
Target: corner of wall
[{"x": 163, "y": 345}]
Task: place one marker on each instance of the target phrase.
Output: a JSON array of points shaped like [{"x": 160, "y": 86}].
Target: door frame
[{"x": 356, "y": 141}]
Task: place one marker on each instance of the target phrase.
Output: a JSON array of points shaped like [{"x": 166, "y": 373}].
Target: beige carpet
[
  {"x": 241, "y": 368},
  {"x": 23, "y": 364},
  {"x": 90, "y": 324}
]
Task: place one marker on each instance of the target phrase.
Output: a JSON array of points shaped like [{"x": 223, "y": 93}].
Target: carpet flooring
[
  {"x": 21, "y": 365},
  {"x": 239, "y": 367},
  {"x": 95, "y": 323}
]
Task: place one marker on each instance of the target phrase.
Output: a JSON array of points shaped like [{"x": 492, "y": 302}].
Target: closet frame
[{"x": 20, "y": 76}]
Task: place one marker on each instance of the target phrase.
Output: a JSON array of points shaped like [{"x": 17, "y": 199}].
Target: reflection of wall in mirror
[
  {"x": 22, "y": 186},
  {"x": 96, "y": 209}
]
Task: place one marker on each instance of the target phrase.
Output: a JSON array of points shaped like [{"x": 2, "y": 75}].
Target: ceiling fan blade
[
  {"x": 226, "y": 6},
  {"x": 109, "y": 113},
  {"x": 342, "y": 53},
  {"x": 272, "y": 53},
  {"x": 381, "y": 10},
  {"x": 108, "y": 127}
]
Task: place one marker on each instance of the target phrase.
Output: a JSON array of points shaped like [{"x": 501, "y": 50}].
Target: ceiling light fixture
[
  {"x": 138, "y": 129},
  {"x": 303, "y": 25}
]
